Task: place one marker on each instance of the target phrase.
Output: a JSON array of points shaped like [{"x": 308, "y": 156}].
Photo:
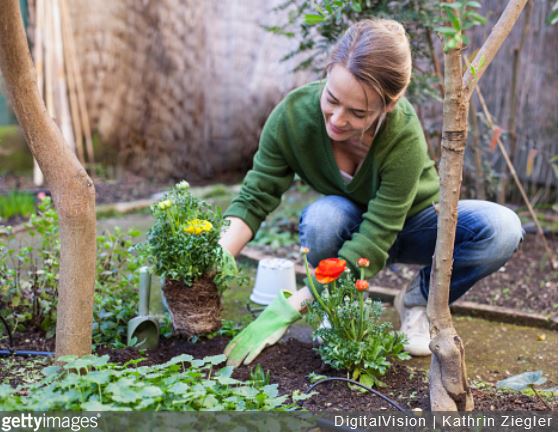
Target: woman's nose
[{"x": 338, "y": 118}]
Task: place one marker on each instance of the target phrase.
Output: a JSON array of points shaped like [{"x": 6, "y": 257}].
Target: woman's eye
[
  {"x": 330, "y": 101},
  {"x": 359, "y": 115}
]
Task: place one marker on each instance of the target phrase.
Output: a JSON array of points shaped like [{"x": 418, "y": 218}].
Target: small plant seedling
[{"x": 526, "y": 381}]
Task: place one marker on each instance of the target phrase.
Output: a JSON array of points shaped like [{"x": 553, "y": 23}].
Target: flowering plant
[
  {"x": 356, "y": 339},
  {"x": 183, "y": 241}
]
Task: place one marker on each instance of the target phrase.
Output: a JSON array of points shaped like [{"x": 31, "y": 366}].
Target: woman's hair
[{"x": 377, "y": 53}]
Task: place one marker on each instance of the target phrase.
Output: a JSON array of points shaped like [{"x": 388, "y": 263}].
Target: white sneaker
[{"x": 415, "y": 325}]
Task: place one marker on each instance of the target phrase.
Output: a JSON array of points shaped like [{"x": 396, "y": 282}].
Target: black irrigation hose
[
  {"x": 12, "y": 352},
  {"x": 26, "y": 353},
  {"x": 369, "y": 389}
]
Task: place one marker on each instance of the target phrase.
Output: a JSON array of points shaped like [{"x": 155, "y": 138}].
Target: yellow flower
[
  {"x": 198, "y": 226},
  {"x": 163, "y": 205}
]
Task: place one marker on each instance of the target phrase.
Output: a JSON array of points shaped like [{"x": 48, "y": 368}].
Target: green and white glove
[{"x": 265, "y": 330}]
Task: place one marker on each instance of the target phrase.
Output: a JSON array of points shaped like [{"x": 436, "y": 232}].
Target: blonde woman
[{"x": 354, "y": 138}]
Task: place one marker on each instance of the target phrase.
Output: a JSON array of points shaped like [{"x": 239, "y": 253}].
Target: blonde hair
[{"x": 377, "y": 52}]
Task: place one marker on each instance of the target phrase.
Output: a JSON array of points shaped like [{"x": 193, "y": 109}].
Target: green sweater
[{"x": 396, "y": 180}]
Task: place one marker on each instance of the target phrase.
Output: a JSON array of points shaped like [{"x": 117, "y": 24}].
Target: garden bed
[
  {"x": 526, "y": 283},
  {"x": 290, "y": 363}
]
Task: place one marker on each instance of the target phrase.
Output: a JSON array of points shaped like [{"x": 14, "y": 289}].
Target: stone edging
[{"x": 488, "y": 312}]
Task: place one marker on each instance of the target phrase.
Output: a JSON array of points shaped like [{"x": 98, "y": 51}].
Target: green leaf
[
  {"x": 297, "y": 396},
  {"x": 179, "y": 388},
  {"x": 215, "y": 359},
  {"x": 183, "y": 358},
  {"x": 522, "y": 381},
  {"x": 447, "y": 31},
  {"x": 312, "y": 19},
  {"x": 473, "y": 4}
]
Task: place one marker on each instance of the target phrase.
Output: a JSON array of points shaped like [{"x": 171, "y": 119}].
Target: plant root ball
[{"x": 196, "y": 309}]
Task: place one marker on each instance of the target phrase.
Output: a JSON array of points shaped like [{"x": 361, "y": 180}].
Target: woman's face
[{"x": 349, "y": 107}]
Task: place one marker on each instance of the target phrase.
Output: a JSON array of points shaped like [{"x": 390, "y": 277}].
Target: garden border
[{"x": 460, "y": 307}]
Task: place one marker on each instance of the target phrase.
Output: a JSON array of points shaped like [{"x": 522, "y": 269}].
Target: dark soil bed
[
  {"x": 290, "y": 363},
  {"x": 527, "y": 282}
]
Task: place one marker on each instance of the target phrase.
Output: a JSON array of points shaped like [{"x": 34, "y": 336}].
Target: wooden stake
[
  {"x": 60, "y": 88},
  {"x": 72, "y": 91},
  {"x": 476, "y": 148},
  {"x": 38, "y": 178},
  {"x": 84, "y": 116},
  {"x": 512, "y": 170}
]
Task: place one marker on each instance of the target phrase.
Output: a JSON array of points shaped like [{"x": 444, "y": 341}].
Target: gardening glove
[{"x": 265, "y": 330}]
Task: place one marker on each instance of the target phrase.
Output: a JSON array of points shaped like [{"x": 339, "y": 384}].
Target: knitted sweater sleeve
[{"x": 268, "y": 179}]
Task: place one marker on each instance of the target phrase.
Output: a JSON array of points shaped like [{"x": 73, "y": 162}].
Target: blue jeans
[{"x": 487, "y": 234}]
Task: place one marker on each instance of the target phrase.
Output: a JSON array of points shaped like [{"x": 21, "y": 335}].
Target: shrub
[
  {"x": 15, "y": 204},
  {"x": 29, "y": 278},
  {"x": 317, "y": 24}
]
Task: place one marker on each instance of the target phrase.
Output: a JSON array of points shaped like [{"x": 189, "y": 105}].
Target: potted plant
[
  {"x": 356, "y": 339},
  {"x": 184, "y": 250}
]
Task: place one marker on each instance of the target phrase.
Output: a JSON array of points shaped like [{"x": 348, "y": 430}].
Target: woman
[{"x": 355, "y": 139}]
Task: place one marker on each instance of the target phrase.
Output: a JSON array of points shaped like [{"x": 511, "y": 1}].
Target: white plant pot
[{"x": 272, "y": 276}]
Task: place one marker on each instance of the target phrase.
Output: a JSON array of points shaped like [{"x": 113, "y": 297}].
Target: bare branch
[{"x": 492, "y": 45}]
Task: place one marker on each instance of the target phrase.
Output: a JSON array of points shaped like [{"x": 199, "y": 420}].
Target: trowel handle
[{"x": 145, "y": 285}]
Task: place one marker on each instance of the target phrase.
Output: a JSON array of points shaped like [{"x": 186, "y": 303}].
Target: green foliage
[
  {"x": 460, "y": 16},
  {"x": 357, "y": 340},
  {"x": 275, "y": 236},
  {"x": 317, "y": 24},
  {"x": 16, "y": 203},
  {"x": 552, "y": 18},
  {"x": 183, "y": 383},
  {"x": 259, "y": 375},
  {"x": 29, "y": 278},
  {"x": 183, "y": 241}
]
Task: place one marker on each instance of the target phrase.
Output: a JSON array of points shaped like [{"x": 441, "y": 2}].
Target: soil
[
  {"x": 129, "y": 187},
  {"x": 194, "y": 315},
  {"x": 526, "y": 283},
  {"x": 289, "y": 363}
]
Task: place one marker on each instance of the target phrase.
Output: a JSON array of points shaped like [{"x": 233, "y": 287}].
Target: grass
[{"x": 16, "y": 203}]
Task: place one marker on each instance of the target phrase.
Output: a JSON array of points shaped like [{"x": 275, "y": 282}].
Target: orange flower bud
[
  {"x": 362, "y": 285},
  {"x": 363, "y": 262}
]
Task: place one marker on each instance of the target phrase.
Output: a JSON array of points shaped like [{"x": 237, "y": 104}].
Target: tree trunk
[
  {"x": 448, "y": 382},
  {"x": 72, "y": 190}
]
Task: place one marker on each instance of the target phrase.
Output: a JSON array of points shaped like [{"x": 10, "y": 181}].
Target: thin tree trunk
[
  {"x": 72, "y": 190},
  {"x": 447, "y": 377},
  {"x": 448, "y": 382}
]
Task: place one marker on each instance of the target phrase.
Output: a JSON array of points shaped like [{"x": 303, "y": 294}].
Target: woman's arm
[{"x": 236, "y": 236}]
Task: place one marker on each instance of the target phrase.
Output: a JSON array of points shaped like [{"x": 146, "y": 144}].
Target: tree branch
[{"x": 492, "y": 45}]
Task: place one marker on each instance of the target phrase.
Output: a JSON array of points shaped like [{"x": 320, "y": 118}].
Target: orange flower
[
  {"x": 329, "y": 270},
  {"x": 361, "y": 285},
  {"x": 363, "y": 262}
]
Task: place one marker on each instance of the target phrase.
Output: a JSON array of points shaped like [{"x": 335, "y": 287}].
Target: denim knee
[
  {"x": 497, "y": 232},
  {"x": 326, "y": 224}
]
